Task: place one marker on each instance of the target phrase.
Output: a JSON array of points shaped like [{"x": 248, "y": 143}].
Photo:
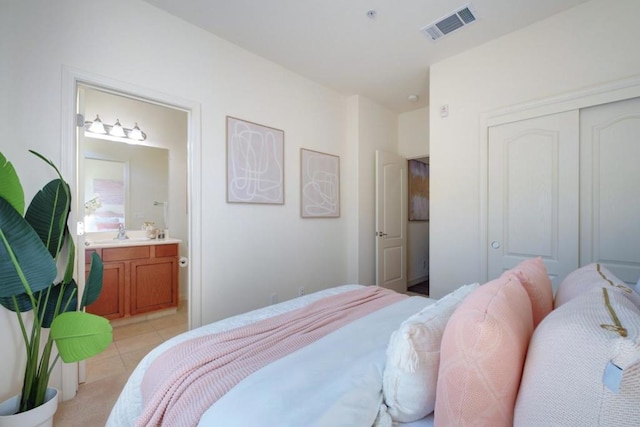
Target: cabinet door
[
  {"x": 154, "y": 284},
  {"x": 533, "y": 194},
  {"x": 110, "y": 303},
  {"x": 610, "y": 187}
]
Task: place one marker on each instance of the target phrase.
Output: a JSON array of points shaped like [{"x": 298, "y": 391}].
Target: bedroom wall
[
  {"x": 249, "y": 251},
  {"x": 376, "y": 129},
  {"x": 413, "y": 142},
  {"x": 589, "y": 45}
]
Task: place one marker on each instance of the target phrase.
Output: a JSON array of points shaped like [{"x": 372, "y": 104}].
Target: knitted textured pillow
[
  {"x": 589, "y": 277},
  {"x": 482, "y": 354},
  {"x": 583, "y": 365}
]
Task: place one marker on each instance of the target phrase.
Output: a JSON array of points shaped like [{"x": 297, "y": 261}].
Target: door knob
[
  {"x": 380, "y": 234},
  {"x": 495, "y": 245}
]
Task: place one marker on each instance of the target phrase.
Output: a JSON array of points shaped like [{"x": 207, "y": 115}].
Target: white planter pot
[{"x": 42, "y": 416}]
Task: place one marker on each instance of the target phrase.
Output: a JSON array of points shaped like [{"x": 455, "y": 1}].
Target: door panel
[
  {"x": 391, "y": 221},
  {"x": 610, "y": 188},
  {"x": 533, "y": 194}
]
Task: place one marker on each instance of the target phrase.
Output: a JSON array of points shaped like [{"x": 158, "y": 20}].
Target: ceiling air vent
[{"x": 449, "y": 23}]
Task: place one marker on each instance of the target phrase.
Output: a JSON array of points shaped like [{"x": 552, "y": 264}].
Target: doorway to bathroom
[
  {"x": 74, "y": 115},
  {"x": 132, "y": 180}
]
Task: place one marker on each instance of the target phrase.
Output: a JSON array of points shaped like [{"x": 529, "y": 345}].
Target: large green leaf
[
  {"x": 23, "y": 300},
  {"x": 48, "y": 213},
  {"x": 93, "y": 285},
  {"x": 79, "y": 335},
  {"x": 10, "y": 187},
  {"x": 68, "y": 301},
  {"x": 23, "y": 257},
  {"x": 47, "y": 301}
]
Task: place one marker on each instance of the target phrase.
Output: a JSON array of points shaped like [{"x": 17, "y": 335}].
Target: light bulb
[
  {"x": 137, "y": 134},
  {"x": 97, "y": 126},
  {"x": 117, "y": 130}
]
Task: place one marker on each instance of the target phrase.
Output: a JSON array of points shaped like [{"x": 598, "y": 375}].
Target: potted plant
[{"x": 37, "y": 258}]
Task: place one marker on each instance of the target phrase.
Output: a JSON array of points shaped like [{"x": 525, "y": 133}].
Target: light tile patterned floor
[{"x": 108, "y": 372}]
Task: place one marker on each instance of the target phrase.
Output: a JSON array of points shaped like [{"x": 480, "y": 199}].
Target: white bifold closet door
[
  {"x": 533, "y": 194},
  {"x": 610, "y": 187},
  {"x": 567, "y": 187}
]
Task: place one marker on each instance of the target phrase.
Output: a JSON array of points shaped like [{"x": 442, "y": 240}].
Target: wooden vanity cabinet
[
  {"x": 137, "y": 279},
  {"x": 110, "y": 304}
]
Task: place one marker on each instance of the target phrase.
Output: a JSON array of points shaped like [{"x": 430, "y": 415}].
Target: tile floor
[{"x": 108, "y": 372}]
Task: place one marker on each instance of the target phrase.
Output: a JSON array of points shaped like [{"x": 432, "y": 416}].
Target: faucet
[{"x": 122, "y": 233}]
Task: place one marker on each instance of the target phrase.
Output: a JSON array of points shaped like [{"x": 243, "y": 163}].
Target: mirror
[{"x": 125, "y": 183}]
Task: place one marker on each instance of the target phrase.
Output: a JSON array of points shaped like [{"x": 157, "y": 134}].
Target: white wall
[
  {"x": 377, "y": 129},
  {"x": 413, "y": 133},
  {"x": 413, "y": 142},
  {"x": 248, "y": 251},
  {"x": 585, "y": 46}
]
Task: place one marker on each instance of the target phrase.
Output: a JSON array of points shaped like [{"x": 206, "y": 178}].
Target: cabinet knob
[{"x": 495, "y": 245}]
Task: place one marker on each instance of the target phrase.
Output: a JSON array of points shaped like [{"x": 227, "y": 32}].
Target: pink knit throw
[{"x": 184, "y": 381}]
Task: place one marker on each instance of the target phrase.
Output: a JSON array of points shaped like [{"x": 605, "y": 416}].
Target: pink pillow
[
  {"x": 482, "y": 354},
  {"x": 534, "y": 278}
]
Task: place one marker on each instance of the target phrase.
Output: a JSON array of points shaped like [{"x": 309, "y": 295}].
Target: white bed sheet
[{"x": 129, "y": 405}]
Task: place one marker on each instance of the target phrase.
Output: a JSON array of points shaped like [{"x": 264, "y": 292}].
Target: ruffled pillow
[{"x": 413, "y": 358}]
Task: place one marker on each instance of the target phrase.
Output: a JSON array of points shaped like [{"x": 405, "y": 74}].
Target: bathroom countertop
[
  {"x": 128, "y": 242},
  {"x": 135, "y": 238}
]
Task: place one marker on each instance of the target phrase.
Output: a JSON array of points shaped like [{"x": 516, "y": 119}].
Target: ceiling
[{"x": 335, "y": 43}]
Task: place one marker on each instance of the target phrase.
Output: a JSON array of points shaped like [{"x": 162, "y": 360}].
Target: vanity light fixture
[
  {"x": 96, "y": 126},
  {"x": 137, "y": 134},
  {"x": 116, "y": 132}
]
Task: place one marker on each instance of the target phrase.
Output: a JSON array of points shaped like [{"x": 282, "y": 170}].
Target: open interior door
[{"x": 391, "y": 221}]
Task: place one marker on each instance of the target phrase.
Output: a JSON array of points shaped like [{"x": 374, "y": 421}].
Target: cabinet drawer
[
  {"x": 166, "y": 250},
  {"x": 121, "y": 254}
]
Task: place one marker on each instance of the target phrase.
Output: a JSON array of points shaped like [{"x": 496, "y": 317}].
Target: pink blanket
[{"x": 183, "y": 382}]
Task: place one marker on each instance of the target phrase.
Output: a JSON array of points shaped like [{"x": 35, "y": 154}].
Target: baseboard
[{"x": 417, "y": 280}]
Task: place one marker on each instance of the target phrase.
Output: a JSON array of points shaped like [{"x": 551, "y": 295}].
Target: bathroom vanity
[{"x": 140, "y": 276}]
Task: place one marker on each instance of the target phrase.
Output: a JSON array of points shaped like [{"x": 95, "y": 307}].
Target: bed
[
  {"x": 410, "y": 361},
  {"x": 356, "y": 351}
]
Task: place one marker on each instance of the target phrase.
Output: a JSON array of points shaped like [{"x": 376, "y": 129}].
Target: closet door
[
  {"x": 610, "y": 187},
  {"x": 533, "y": 194}
]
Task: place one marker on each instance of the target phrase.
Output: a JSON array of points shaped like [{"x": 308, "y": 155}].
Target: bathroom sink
[{"x": 116, "y": 241}]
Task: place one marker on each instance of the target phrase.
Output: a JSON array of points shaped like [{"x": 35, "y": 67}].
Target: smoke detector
[{"x": 455, "y": 20}]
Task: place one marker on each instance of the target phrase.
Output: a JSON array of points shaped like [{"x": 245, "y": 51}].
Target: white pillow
[{"x": 413, "y": 359}]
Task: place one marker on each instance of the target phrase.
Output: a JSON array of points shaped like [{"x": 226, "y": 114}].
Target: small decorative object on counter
[{"x": 150, "y": 228}]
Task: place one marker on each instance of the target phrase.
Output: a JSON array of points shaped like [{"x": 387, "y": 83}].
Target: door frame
[
  {"x": 602, "y": 94},
  {"x": 71, "y": 78}
]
